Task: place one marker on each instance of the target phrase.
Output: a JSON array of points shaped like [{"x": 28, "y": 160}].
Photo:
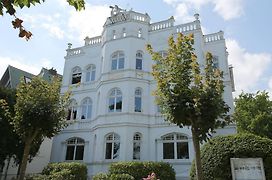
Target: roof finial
[{"x": 196, "y": 15}]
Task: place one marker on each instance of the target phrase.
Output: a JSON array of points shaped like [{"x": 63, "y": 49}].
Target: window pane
[
  {"x": 116, "y": 150},
  {"x": 74, "y": 113},
  {"x": 114, "y": 64},
  {"x": 138, "y": 104},
  {"x": 89, "y": 113},
  {"x": 88, "y": 74},
  {"x": 139, "y": 64},
  {"x": 182, "y": 150},
  {"x": 168, "y": 150},
  {"x": 93, "y": 76},
  {"x": 69, "y": 114},
  {"x": 79, "y": 152},
  {"x": 121, "y": 63},
  {"x": 70, "y": 152},
  {"x": 76, "y": 77},
  {"x": 111, "y": 104},
  {"x": 83, "y": 114},
  {"x": 136, "y": 150},
  {"x": 118, "y": 104},
  {"x": 108, "y": 150}
]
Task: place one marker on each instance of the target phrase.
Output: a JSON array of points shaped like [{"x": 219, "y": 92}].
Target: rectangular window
[
  {"x": 88, "y": 76},
  {"x": 79, "y": 153},
  {"x": 116, "y": 150},
  {"x": 139, "y": 64},
  {"x": 182, "y": 150},
  {"x": 76, "y": 78},
  {"x": 168, "y": 150},
  {"x": 108, "y": 150},
  {"x": 70, "y": 153},
  {"x": 121, "y": 63},
  {"x": 136, "y": 150},
  {"x": 138, "y": 104},
  {"x": 111, "y": 104},
  {"x": 74, "y": 114},
  {"x": 69, "y": 114},
  {"x": 118, "y": 104},
  {"x": 93, "y": 76},
  {"x": 114, "y": 64}
]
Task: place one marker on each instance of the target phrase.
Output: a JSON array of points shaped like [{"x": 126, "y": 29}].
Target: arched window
[
  {"x": 140, "y": 33},
  {"x": 115, "y": 100},
  {"x": 76, "y": 75},
  {"x": 90, "y": 73},
  {"x": 138, "y": 100},
  {"x": 139, "y": 60},
  {"x": 137, "y": 146},
  {"x": 124, "y": 32},
  {"x": 112, "y": 146},
  {"x": 175, "y": 146},
  {"x": 72, "y": 110},
  {"x": 117, "y": 60},
  {"x": 86, "y": 108},
  {"x": 75, "y": 149}
]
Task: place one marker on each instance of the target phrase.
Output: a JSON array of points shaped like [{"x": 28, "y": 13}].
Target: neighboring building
[
  {"x": 10, "y": 79},
  {"x": 114, "y": 113}
]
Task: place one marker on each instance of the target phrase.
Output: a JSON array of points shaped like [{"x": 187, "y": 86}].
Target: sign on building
[{"x": 247, "y": 169}]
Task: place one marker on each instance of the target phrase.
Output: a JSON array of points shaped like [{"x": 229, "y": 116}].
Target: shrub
[
  {"x": 216, "y": 154},
  {"x": 65, "y": 171},
  {"x": 101, "y": 176},
  {"x": 140, "y": 170},
  {"x": 121, "y": 177},
  {"x": 104, "y": 176}
]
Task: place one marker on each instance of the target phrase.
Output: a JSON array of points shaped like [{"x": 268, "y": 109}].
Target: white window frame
[
  {"x": 113, "y": 139},
  {"x": 75, "y": 142},
  {"x": 139, "y": 57},
  {"x": 137, "y": 139},
  {"x": 118, "y": 56},
  {"x": 114, "y": 95},
  {"x": 177, "y": 138},
  {"x": 138, "y": 94},
  {"x": 76, "y": 73},
  {"x": 87, "y": 106},
  {"x": 90, "y": 73}
]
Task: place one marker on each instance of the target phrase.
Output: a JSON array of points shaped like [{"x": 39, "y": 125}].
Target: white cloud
[
  {"x": 88, "y": 22},
  {"x": 227, "y": 9},
  {"x": 54, "y": 30},
  {"x": 249, "y": 68},
  {"x": 50, "y": 23},
  {"x": 18, "y": 63}
]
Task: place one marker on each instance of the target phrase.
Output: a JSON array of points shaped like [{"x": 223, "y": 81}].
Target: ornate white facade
[{"x": 114, "y": 113}]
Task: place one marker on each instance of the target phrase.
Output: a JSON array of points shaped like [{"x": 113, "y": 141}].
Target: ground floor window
[
  {"x": 75, "y": 149},
  {"x": 112, "y": 146},
  {"x": 175, "y": 146}
]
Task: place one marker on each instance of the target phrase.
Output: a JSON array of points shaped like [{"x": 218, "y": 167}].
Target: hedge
[
  {"x": 104, "y": 176},
  {"x": 64, "y": 170},
  {"x": 139, "y": 170},
  {"x": 216, "y": 154}
]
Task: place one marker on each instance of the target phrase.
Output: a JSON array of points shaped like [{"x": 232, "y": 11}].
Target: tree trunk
[
  {"x": 198, "y": 166},
  {"x": 25, "y": 158}
]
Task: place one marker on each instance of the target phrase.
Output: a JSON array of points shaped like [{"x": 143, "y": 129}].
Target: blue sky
[{"x": 247, "y": 25}]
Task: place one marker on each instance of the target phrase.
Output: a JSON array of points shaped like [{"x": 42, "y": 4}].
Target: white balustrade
[
  {"x": 93, "y": 41},
  {"x": 214, "y": 37},
  {"x": 187, "y": 27},
  {"x": 75, "y": 51},
  {"x": 162, "y": 25}
]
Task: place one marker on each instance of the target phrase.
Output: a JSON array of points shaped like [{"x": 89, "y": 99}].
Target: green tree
[
  {"x": 253, "y": 114},
  {"x": 12, "y": 147},
  {"x": 9, "y": 7},
  {"x": 188, "y": 95},
  {"x": 39, "y": 113}
]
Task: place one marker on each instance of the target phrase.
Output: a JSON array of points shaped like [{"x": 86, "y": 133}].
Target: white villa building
[{"x": 114, "y": 112}]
